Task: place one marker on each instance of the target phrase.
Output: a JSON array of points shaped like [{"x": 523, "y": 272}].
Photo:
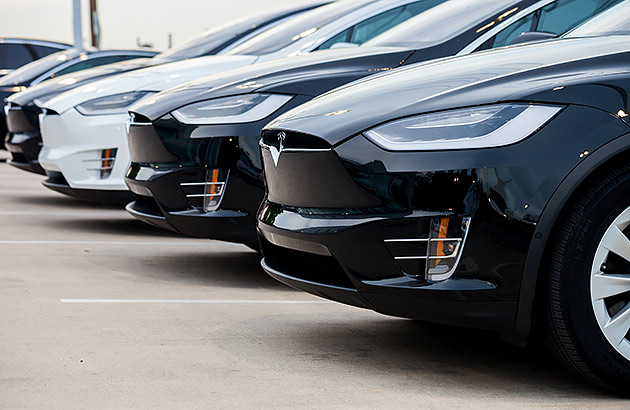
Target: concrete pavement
[{"x": 100, "y": 311}]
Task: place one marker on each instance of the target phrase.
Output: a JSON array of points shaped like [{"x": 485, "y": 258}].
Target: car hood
[
  {"x": 570, "y": 71},
  {"x": 309, "y": 75},
  {"x": 156, "y": 79},
  {"x": 48, "y": 89}
]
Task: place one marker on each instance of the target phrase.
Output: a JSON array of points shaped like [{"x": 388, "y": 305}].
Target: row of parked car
[{"x": 414, "y": 157}]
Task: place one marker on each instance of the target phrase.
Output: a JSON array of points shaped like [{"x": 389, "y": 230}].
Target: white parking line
[
  {"x": 184, "y": 242},
  {"x": 73, "y": 214},
  {"x": 200, "y": 301},
  {"x": 28, "y": 192}
]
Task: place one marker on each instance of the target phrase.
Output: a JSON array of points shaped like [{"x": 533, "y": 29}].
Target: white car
[{"x": 85, "y": 151}]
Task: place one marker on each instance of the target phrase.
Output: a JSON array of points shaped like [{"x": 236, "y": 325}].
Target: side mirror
[
  {"x": 343, "y": 45},
  {"x": 532, "y": 36}
]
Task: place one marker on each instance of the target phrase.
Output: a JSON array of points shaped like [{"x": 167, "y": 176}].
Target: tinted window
[
  {"x": 43, "y": 51},
  {"x": 441, "y": 23},
  {"x": 613, "y": 21},
  {"x": 555, "y": 18},
  {"x": 24, "y": 75},
  {"x": 217, "y": 38},
  {"x": 14, "y": 55},
  {"x": 507, "y": 35},
  {"x": 370, "y": 28},
  {"x": 302, "y": 26},
  {"x": 343, "y": 37},
  {"x": 90, "y": 63},
  {"x": 560, "y": 16}
]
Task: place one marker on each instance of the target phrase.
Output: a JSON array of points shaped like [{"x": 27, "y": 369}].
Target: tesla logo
[{"x": 275, "y": 153}]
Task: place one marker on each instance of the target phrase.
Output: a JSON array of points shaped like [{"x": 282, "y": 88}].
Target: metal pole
[
  {"x": 95, "y": 24},
  {"x": 76, "y": 22}
]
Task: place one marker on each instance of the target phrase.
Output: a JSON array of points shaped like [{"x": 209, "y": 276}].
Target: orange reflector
[{"x": 442, "y": 235}]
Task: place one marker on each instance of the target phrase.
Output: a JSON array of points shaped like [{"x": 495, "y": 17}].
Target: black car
[
  {"x": 16, "y": 52},
  {"x": 196, "y": 165},
  {"x": 24, "y": 139},
  {"x": 490, "y": 191}
]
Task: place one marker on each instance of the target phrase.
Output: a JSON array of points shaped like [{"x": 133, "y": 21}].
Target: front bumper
[
  {"x": 161, "y": 201},
  {"x": 24, "y": 149},
  {"x": 348, "y": 260},
  {"x": 58, "y": 183},
  {"x": 23, "y": 138},
  {"x": 91, "y": 153}
]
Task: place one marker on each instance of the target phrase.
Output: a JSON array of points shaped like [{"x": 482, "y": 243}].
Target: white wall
[{"x": 122, "y": 21}]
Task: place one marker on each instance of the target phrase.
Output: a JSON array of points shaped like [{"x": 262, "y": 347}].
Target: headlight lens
[
  {"x": 468, "y": 128},
  {"x": 231, "y": 110},
  {"x": 112, "y": 104}
]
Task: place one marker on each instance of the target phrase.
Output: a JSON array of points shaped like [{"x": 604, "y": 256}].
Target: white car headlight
[
  {"x": 468, "y": 128},
  {"x": 231, "y": 110},
  {"x": 112, "y": 104}
]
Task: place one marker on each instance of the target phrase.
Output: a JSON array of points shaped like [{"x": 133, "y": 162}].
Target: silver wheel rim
[{"x": 606, "y": 285}]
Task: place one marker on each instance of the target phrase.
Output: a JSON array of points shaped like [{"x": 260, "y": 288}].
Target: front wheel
[{"x": 587, "y": 289}]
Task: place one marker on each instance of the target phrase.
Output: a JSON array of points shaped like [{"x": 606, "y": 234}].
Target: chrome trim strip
[
  {"x": 101, "y": 168},
  {"x": 201, "y": 183},
  {"x": 423, "y": 240},
  {"x": 267, "y": 147},
  {"x": 100, "y": 159},
  {"x": 202, "y": 195}
]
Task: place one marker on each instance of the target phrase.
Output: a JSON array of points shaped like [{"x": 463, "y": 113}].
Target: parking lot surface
[{"x": 100, "y": 311}]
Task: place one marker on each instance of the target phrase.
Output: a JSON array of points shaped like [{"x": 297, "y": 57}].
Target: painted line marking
[
  {"x": 199, "y": 301},
  {"x": 74, "y": 214},
  {"x": 27, "y": 192},
  {"x": 114, "y": 243}
]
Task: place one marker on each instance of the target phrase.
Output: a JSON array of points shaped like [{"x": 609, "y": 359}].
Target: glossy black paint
[
  {"x": 303, "y": 77},
  {"x": 25, "y": 153},
  {"x": 513, "y": 193}
]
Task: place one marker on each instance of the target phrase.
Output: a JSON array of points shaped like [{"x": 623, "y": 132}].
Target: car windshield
[
  {"x": 614, "y": 21},
  {"x": 302, "y": 26},
  {"x": 441, "y": 23},
  {"x": 24, "y": 75},
  {"x": 221, "y": 35}
]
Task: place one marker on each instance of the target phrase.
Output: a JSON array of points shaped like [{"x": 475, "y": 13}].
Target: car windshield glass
[
  {"x": 614, "y": 21},
  {"x": 302, "y": 26},
  {"x": 441, "y": 23},
  {"x": 27, "y": 73},
  {"x": 211, "y": 39}
]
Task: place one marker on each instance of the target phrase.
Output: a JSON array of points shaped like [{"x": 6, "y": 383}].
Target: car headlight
[
  {"x": 112, "y": 104},
  {"x": 231, "y": 110},
  {"x": 479, "y": 127}
]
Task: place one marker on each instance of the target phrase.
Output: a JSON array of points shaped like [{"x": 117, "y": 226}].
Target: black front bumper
[
  {"x": 23, "y": 137},
  {"x": 160, "y": 201},
  {"x": 347, "y": 260},
  {"x": 24, "y": 149}
]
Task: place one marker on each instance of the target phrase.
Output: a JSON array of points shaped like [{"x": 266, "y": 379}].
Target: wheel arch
[{"x": 595, "y": 163}]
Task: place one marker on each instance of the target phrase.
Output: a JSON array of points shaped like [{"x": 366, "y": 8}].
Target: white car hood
[{"x": 157, "y": 79}]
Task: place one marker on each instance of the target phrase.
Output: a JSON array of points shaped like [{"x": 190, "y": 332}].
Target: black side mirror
[{"x": 532, "y": 36}]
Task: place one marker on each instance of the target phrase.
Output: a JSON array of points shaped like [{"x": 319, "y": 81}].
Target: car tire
[{"x": 582, "y": 325}]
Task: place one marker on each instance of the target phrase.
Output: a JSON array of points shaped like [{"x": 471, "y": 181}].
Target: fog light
[
  {"x": 207, "y": 195},
  {"x": 434, "y": 257}
]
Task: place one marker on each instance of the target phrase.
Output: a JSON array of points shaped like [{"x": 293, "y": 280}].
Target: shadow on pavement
[
  {"x": 54, "y": 200},
  {"x": 117, "y": 225},
  {"x": 407, "y": 356}
]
